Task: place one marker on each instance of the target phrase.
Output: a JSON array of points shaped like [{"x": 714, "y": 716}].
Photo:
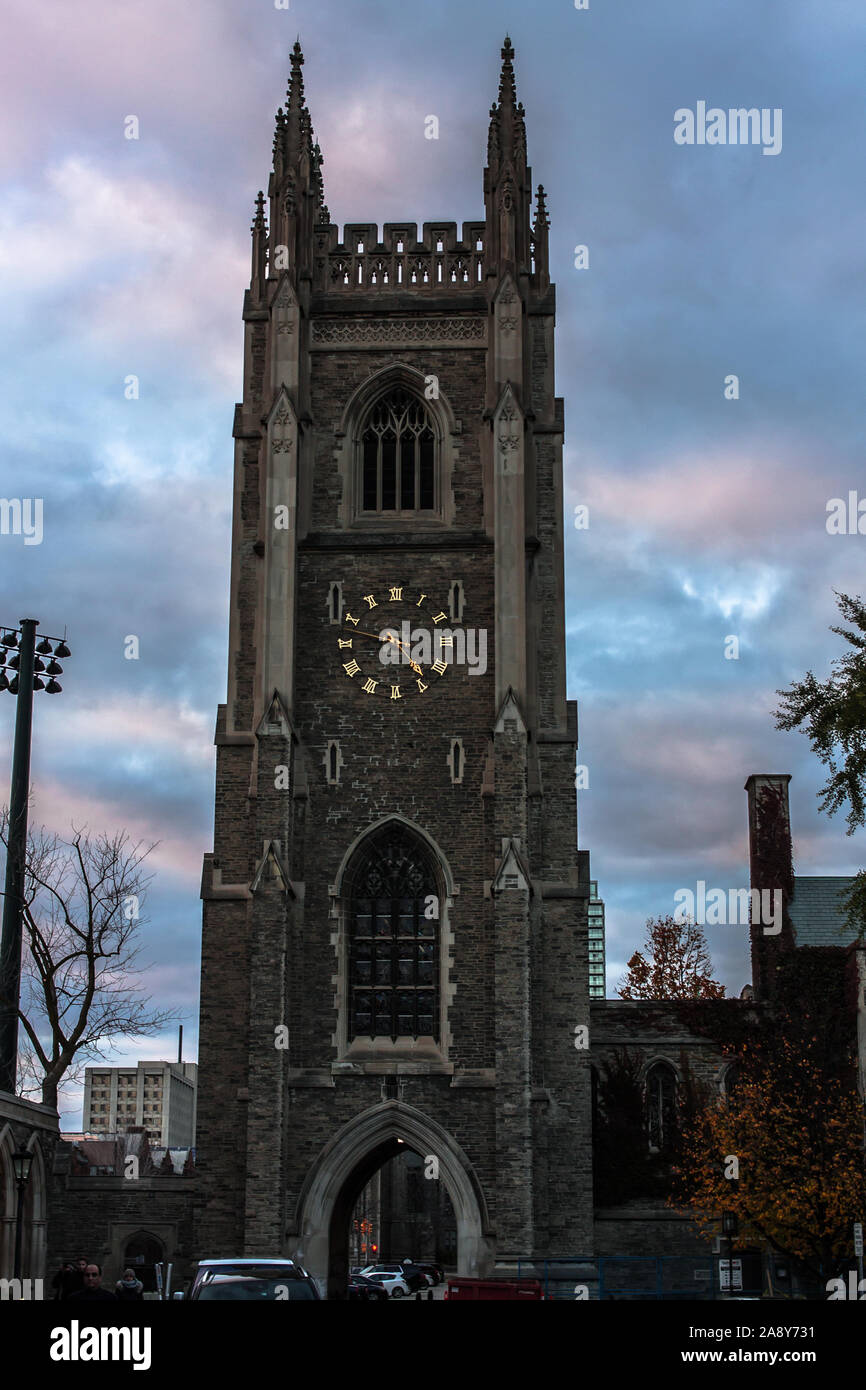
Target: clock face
[{"x": 394, "y": 644}]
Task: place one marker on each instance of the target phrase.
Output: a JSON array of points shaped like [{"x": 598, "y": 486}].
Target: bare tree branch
[{"x": 80, "y": 970}]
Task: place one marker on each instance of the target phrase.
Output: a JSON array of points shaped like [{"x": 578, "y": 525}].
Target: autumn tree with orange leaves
[
  {"x": 676, "y": 965},
  {"x": 784, "y": 1152}
]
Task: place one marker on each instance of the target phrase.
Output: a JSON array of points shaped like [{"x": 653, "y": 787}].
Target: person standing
[
  {"x": 70, "y": 1280},
  {"x": 129, "y": 1288},
  {"x": 61, "y": 1281},
  {"x": 93, "y": 1289}
]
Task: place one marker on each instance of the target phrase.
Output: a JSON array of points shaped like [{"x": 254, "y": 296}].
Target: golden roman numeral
[
  {"x": 439, "y": 667},
  {"x": 368, "y": 598},
  {"x": 350, "y": 619},
  {"x": 418, "y": 604},
  {"x": 395, "y": 693},
  {"x": 351, "y": 667},
  {"x": 396, "y": 593},
  {"x": 369, "y": 685},
  {"x": 420, "y": 684},
  {"x": 440, "y": 617},
  {"x": 342, "y": 643},
  {"x": 446, "y": 640}
]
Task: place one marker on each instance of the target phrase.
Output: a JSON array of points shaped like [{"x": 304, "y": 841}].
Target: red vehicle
[{"x": 523, "y": 1289}]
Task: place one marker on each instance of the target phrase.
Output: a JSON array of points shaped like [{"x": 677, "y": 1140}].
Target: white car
[{"x": 391, "y": 1281}]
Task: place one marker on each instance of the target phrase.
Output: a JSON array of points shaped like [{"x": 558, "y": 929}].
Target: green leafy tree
[{"x": 833, "y": 715}]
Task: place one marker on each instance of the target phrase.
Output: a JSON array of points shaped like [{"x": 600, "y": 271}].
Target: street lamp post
[
  {"x": 22, "y": 1162},
  {"x": 21, "y": 668},
  {"x": 729, "y": 1229}
]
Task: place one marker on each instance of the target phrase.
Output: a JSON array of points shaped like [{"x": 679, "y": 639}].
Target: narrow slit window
[{"x": 335, "y": 602}]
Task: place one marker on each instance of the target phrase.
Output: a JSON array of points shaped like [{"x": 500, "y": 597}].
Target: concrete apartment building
[{"x": 160, "y": 1096}]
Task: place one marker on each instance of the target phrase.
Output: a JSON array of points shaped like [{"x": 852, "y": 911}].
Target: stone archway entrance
[
  {"x": 142, "y": 1252},
  {"x": 320, "y": 1240}
]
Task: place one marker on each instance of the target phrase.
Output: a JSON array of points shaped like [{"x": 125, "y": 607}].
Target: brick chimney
[{"x": 770, "y": 869}]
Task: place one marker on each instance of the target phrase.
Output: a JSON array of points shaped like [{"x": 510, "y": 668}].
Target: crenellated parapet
[{"x": 361, "y": 261}]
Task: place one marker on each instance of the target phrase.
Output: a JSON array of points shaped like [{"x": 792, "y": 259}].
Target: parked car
[
  {"x": 426, "y": 1278},
  {"x": 360, "y": 1287},
  {"x": 252, "y": 1280},
  {"x": 433, "y": 1272},
  {"x": 393, "y": 1283},
  {"x": 413, "y": 1276}
]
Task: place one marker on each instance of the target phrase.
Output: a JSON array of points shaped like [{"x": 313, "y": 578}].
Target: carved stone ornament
[{"x": 399, "y": 330}]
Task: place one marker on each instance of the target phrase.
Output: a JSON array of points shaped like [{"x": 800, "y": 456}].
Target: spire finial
[
  {"x": 259, "y": 231},
  {"x": 295, "y": 93},
  {"x": 507, "y": 90},
  {"x": 541, "y": 217},
  {"x": 507, "y": 135}
]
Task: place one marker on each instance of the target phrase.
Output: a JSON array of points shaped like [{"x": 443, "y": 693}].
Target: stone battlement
[{"x": 361, "y": 261}]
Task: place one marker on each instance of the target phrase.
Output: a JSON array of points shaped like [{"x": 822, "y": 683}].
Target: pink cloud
[
  {"x": 60, "y": 807},
  {"x": 706, "y": 502}
]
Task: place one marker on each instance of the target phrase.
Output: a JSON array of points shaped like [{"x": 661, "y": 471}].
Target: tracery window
[
  {"x": 661, "y": 1105},
  {"x": 393, "y": 945},
  {"x": 398, "y": 456}
]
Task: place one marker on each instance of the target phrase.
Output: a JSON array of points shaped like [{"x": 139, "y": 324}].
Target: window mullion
[{"x": 379, "y": 474}]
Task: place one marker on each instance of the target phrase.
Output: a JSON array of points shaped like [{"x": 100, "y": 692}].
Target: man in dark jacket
[
  {"x": 93, "y": 1289},
  {"x": 60, "y": 1282},
  {"x": 70, "y": 1279}
]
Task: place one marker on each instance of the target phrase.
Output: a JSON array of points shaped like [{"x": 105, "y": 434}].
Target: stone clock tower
[{"x": 394, "y": 943}]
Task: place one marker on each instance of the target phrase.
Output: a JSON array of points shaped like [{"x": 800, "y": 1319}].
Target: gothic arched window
[
  {"x": 398, "y": 455},
  {"x": 661, "y": 1105},
  {"x": 393, "y": 945}
]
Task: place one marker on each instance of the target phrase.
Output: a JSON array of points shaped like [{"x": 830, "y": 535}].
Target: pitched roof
[
  {"x": 817, "y": 914},
  {"x": 100, "y": 1153}
]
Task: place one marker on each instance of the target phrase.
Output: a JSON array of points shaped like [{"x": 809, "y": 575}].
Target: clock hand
[{"x": 396, "y": 642}]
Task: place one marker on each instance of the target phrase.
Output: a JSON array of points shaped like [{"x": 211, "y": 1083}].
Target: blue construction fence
[{"x": 646, "y": 1277}]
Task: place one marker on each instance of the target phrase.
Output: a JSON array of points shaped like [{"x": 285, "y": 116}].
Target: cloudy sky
[{"x": 707, "y": 515}]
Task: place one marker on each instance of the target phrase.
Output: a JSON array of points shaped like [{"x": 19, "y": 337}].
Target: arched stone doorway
[
  {"x": 142, "y": 1252},
  {"x": 320, "y": 1239}
]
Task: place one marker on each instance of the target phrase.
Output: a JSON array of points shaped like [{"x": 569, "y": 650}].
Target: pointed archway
[
  {"x": 320, "y": 1238},
  {"x": 142, "y": 1252}
]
